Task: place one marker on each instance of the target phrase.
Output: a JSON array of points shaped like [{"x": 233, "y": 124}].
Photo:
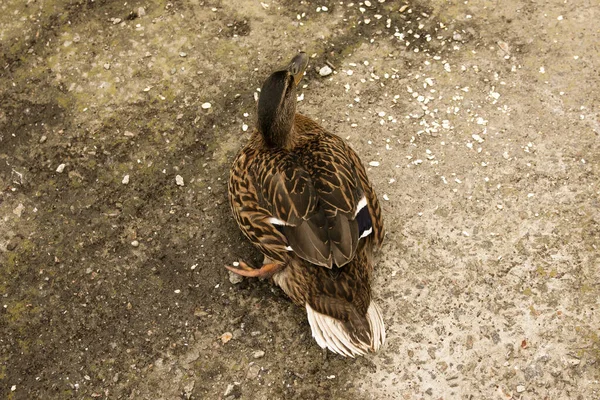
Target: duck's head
[{"x": 277, "y": 102}]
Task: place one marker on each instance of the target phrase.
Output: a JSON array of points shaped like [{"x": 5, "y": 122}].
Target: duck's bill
[{"x": 297, "y": 66}]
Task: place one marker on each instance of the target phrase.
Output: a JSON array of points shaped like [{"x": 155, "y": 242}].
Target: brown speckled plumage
[{"x": 298, "y": 193}]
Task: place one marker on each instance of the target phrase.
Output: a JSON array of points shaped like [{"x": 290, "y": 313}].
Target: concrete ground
[{"x": 483, "y": 117}]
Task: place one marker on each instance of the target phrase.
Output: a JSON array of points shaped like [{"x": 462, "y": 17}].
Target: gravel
[
  {"x": 258, "y": 354},
  {"x": 325, "y": 70}
]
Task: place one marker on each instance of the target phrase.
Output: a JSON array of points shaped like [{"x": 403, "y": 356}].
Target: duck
[{"x": 301, "y": 195}]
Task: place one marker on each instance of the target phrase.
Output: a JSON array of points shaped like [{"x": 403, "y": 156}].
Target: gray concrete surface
[{"x": 480, "y": 119}]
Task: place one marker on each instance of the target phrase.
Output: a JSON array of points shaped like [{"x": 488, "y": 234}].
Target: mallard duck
[{"x": 302, "y": 196}]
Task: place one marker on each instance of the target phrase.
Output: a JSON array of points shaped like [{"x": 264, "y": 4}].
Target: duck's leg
[{"x": 266, "y": 271}]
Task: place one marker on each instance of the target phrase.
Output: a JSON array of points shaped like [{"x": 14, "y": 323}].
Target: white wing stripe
[
  {"x": 361, "y": 204},
  {"x": 276, "y": 221},
  {"x": 366, "y": 233}
]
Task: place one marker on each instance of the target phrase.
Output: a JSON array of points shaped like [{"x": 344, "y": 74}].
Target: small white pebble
[
  {"x": 183, "y": 54},
  {"x": 125, "y": 180},
  {"x": 520, "y": 389},
  {"x": 477, "y": 138},
  {"x": 60, "y": 168},
  {"x": 13, "y": 388},
  {"x": 374, "y": 163},
  {"x": 258, "y": 354},
  {"x": 385, "y": 197},
  {"x": 244, "y": 127},
  {"x": 135, "y": 243},
  {"x": 179, "y": 180},
  {"x": 234, "y": 278},
  {"x": 325, "y": 70},
  {"x": 500, "y": 206},
  {"x": 560, "y": 18},
  {"x": 542, "y": 70},
  {"x": 530, "y": 195},
  {"x": 177, "y": 291},
  {"x": 206, "y": 105},
  {"x": 300, "y": 97},
  {"x": 465, "y": 233}
]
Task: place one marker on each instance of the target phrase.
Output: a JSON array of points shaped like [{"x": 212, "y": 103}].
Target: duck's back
[{"x": 313, "y": 199}]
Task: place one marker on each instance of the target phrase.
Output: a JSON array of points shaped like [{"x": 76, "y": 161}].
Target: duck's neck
[
  {"x": 276, "y": 110},
  {"x": 278, "y": 132}
]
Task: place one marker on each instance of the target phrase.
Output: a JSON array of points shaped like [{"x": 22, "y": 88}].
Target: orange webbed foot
[{"x": 266, "y": 271}]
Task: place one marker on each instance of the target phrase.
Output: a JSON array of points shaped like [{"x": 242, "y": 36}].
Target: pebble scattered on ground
[{"x": 325, "y": 70}]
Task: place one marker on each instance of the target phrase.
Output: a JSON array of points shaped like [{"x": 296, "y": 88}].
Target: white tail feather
[
  {"x": 377, "y": 325},
  {"x": 331, "y": 334}
]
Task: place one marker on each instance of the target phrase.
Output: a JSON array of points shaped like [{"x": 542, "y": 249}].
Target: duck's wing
[
  {"x": 374, "y": 208},
  {"x": 252, "y": 181},
  {"x": 341, "y": 161}
]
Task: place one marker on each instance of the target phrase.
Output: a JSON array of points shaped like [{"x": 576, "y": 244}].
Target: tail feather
[
  {"x": 334, "y": 334},
  {"x": 377, "y": 326}
]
